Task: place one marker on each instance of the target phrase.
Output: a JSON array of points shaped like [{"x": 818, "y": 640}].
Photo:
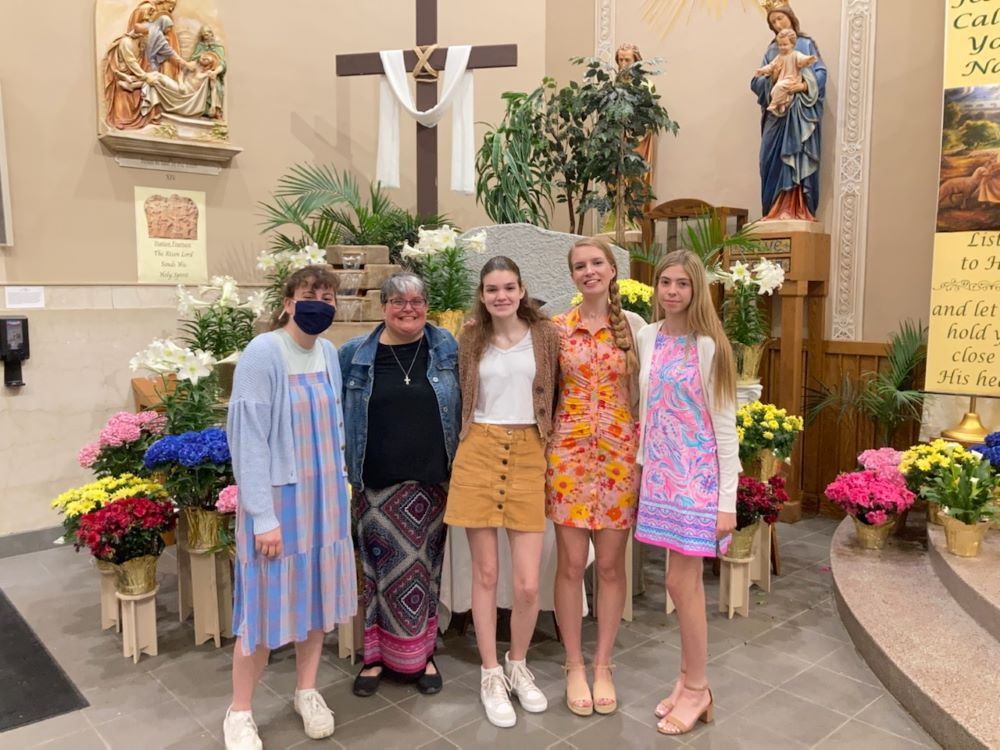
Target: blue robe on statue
[{"x": 790, "y": 142}]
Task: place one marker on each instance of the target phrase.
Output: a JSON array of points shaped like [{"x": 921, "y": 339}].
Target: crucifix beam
[{"x": 482, "y": 56}]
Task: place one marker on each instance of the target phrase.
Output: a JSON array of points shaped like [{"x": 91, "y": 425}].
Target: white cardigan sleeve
[{"x": 724, "y": 425}]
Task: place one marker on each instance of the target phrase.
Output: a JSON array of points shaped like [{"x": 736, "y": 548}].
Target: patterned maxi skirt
[
  {"x": 401, "y": 534},
  {"x": 313, "y": 585}
]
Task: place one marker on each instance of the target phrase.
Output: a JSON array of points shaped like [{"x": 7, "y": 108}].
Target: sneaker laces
[
  {"x": 496, "y": 685},
  {"x": 312, "y": 701},
  {"x": 242, "y": 725},
  {"x": 521, "y": 676}
]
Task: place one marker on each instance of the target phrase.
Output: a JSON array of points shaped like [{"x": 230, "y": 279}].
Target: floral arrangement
[
  {"x": 884, "y": 462},
  {"x": 756, "y": 500},
  {"x": 122, "y": 443},
  {"x": 636, "y": 297},
  {"x": 218, "y": 320},
  {"x": 79, "y": 501},
  {"x": 745, "y": 284},
  {"x": 439, "y": 258},
  {"x": 965, "y": 490},
  {"x": 126, "y": 529},
  {"x": 869, "y": 496},
  {"x": 921, "y": 463},
  {"x": 990, "y": 449},
  {"x": 278, "y": 265},
  {"x": 165, "y": 357},
  {"x": 765, "y": 427},
  {"x": 190, "y": 393},
  {"x": 196, "y": 466},
  {"x": 227, "y": 504}
]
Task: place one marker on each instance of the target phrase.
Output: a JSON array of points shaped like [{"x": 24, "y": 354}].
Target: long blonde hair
[
  {"x": 702, "y": 320},
  {"x": 620, "y": 328}
]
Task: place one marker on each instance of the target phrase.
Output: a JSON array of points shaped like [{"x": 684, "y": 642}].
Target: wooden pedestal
[
  {"x": 212, "y": 596},
  {"x": 351, "y": 635},
  {"x": 766, "y": 559},
  {"x": 184, "y": 604},
  {"x": 734, "y": 585},
  {"x": 110, "y": 609},
  {"x": 138, "y": 619}
]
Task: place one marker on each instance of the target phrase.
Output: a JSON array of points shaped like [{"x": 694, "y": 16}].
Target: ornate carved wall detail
[
  {"x": 850, "y": 222},
  {"x": 604, "y": 30}
]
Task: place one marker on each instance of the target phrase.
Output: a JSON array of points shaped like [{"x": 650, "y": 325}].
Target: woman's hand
[
  {"x": 725, "y": 524},
  {"x": 268, "y": 544}
]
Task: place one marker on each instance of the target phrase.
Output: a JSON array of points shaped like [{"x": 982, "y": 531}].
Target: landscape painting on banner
[{"x": 963, "y": 352}]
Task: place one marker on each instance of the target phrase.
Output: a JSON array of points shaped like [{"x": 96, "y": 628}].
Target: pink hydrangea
[
  {"x": 227, "y": 499},
  {"x": 88, "y": 454},
  {"x": 125, "y": 427},
  {"x": 884, "y": 462}
]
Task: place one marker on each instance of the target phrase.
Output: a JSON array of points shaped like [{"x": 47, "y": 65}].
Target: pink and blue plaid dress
[
  {"x": 313, "y": 585},
  {"x": 679, "y": 496}
]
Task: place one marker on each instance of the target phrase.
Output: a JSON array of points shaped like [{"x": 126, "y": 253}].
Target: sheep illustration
[{"x": 962, "y": 188}]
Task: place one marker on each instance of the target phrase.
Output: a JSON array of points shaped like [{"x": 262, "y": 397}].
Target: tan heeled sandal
[
  {"x": 578, "y": 697},
  {"x": 605, "y": 698},
  {"x": 670, "y": 724},
  {"x": 665, "y": 706}
]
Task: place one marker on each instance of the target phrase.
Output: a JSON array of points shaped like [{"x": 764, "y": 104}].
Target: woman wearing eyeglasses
[{"x": 402, "y": 410}]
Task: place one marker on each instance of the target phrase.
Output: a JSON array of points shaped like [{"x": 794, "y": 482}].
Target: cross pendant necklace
[{"x": 406, "y": 372}]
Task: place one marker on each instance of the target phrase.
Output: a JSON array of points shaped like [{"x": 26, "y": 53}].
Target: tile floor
[{"x": 786, "y": 677}]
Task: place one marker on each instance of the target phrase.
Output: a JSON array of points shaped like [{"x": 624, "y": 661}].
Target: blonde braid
[{"x": 621, "y": 329}]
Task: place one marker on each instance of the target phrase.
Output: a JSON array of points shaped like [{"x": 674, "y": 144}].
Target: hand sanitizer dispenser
[{"x": 13, "y": 348}]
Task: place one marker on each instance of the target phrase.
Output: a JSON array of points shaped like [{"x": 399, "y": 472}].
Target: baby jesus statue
[{"x": 784, "y": 70}]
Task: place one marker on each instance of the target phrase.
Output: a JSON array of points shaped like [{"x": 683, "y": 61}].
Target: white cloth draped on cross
[{"x": 457, "y": 94}]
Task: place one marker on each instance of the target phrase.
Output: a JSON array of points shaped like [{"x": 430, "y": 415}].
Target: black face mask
[{"x": 313, "y": 316}]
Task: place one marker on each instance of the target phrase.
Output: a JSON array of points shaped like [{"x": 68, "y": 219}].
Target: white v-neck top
[{"x": 505, "y": 380}]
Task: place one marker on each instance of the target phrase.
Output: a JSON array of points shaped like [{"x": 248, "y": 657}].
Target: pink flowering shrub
[
  {"x": 868, "y": 496},
  {"x": 122, "y": 443},
  {"x": 227, "y": 499},
  {"x": 884, "y": 462},
  {"x": 88, "y": 454}
]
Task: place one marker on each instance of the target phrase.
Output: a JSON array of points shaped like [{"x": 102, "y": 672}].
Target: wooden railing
[{"x": 830, "y": 446}]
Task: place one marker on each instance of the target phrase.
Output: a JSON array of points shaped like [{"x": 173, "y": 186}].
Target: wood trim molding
[
  {"x": 856, "y": 85},
  {"x": 604, "y": 30}
]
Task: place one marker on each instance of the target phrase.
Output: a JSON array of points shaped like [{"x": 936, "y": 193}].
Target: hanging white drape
[{"x": 457, "y": 94}]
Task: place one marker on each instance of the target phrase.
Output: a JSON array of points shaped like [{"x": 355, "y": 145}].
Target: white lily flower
[
  {"x": 769, "y": 276},
  {"x": 257, "y": 302},
  {"x": 195, "y": 365},
  {"x": 476, "y": 243},
  {"x": 740, "y": 273},
  {"x": 409, "y": 251},
  {"x": 314, "y": 255},
  {"x": 267, "y": 261}
]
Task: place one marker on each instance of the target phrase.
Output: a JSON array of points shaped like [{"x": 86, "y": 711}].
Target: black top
[{"x": 405, "y": 437}]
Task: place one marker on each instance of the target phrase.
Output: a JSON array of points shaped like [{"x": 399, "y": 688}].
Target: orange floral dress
[{"x": 592, "y": 480}]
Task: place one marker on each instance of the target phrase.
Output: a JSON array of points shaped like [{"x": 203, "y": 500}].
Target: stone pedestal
[
  {"x": 734, "y": 586},
  {"x": 110, "y": 610},
  {"x": 138, "y": 621},
  {"x": 212, "y": 596}
]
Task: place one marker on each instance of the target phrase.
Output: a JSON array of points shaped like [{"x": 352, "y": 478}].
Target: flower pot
[
  {"x": 450, "y": 320},
  {"x": 225, "y": 371},
  {"x": 873, "y": 537},
  {"x": 202, "y": 528},
  {"x": 934, "y": 513},
  {"x": 748, "y": 359},
  {"x": 741, "y": 547},
  {"x": 136, "y": 576},
  {"x": 763, "y": 466},
  {"x": 963, "y": 539}
]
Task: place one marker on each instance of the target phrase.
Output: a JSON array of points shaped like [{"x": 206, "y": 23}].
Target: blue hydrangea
[
  {"x": 190, "y": 449},
  {"x": 991, "y": 449},
  {"x": 163, "y": 451}
]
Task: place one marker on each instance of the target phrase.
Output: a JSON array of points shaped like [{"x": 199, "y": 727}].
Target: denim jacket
[{"x": 357, "y": 362}]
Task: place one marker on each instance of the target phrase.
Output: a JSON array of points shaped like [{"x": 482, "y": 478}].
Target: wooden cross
[{"x": 482, "y": 56}]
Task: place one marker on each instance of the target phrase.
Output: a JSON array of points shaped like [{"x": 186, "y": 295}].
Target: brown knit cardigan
[{"x": 545, "y": 342}]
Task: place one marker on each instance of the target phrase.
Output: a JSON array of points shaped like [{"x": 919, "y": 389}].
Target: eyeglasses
[{"x": 400, "y": 304}]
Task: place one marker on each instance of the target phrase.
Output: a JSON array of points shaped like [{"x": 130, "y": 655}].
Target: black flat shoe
[
  {"x": 429, "y": 684},
  {"x": 365, "y": 686}
]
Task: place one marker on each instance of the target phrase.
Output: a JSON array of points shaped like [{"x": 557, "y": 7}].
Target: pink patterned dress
[{"x": 679, "y": 497}]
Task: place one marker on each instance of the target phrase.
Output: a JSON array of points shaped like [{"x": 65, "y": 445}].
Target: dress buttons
[
  {"x": 503, "y": 477},
  {"x": 503, "y": 492},
  {"x": 503, "y": 461},
  {"x": 506, "y": 446},
  {"x": 445, "y": 409},
  {"x": 434, "y": 379},
  {"x": 499, "y": 506}
]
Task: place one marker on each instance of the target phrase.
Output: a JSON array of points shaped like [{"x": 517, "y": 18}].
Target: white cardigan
[{"x": 723, "y": 416}]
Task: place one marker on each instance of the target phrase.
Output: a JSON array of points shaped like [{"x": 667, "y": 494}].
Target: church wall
[{"x": 73, "y": 205}]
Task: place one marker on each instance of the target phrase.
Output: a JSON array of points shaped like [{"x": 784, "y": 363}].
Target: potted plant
[
  {"x": 921, "y": 463},
  {"x": 872, "y": 501},
  {"x": 189, "y": 388},
  {"x": 226, "y": 505},
  {"x": 756, "y": 501},
  {"x": 965, "y": 491},
  {"x": 75, "y": 503},
  {"x": 122, "y": 444},
  {"x": 127, "y": 534},
  {"x": 195, "y": 467},
  {"x": 766, "y": 435},
  {"x": 990, "y": 451},
  {"x": 439, "y": 258},
  {"x": 747, "y": 328}
]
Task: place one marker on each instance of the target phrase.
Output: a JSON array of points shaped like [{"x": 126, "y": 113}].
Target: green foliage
[
  {"x": 190, "y": 407},
  {"x": 743, "y": 320},
  {"x": 218, "y": 329},
  {"x": 978, "y": 133},
  {"x": 965, "y": 490},
  {"x": 952, "y": 115},
  {"x": 888, "y": 398},
  {"x": 448, "y": 280},
  {"x": 706, "y": 238},
  {"x": 577, "y": 141}
]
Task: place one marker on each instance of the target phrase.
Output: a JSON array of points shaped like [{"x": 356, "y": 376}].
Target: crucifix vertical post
[{"x": 427, "y": 141}]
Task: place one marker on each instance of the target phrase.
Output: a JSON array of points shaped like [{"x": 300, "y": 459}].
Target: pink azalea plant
[
  {"x": 122, "y": 443},
  {"x": 869, "y": 496},
  {"x": 884, "y": 462}
]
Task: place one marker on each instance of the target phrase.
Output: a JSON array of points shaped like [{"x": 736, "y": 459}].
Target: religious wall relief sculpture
[
  {"x": 161, "y": 73},
  {"x": 790, "y": 86},
  {"x": 171, "y": 218}
]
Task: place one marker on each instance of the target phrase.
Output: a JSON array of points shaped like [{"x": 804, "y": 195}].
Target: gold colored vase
[
  {"x": 748, "y": 359},
  {"x": 873, "y": 537},
  {"x": 763, "y": 466},
  {"x": 741, "y": 546},
  {"x": 963, "y": 539},
  {"x": 136, "y": 576},
  {"x": 203, "y": 528},
  {"x": 934, "y": 513},
  {"x": 451, "y": 320}
]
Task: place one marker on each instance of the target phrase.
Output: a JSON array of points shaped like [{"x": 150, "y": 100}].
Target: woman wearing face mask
[{"x": 295, "y": 575}]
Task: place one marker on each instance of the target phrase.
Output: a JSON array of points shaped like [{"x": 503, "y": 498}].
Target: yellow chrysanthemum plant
[
  {"x": 636, "y": 297},
  {"x": 921, "y": 464},
  {"x": 765, "y": 427},
  {"x": 79, "y": 501}
]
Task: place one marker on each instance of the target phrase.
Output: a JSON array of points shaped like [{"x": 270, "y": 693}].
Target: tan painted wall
[{"x": 906, "y": 142}]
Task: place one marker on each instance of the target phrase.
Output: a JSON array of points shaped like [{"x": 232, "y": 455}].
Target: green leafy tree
[
  {"x": 952, "y": 115},
  {"x": 977, "y": 133}
]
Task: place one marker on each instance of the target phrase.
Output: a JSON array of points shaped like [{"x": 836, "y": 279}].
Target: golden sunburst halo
[{"x": 663, "y": 14}]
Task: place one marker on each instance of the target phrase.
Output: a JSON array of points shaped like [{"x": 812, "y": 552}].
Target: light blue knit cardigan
[{"x": 259, "y": 426}]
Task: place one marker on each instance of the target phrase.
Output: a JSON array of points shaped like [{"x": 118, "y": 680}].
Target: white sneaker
[
  {"x": 493, "y": 689},
  {"x": 240, "y": 731},
  {"x": 317, "y": 718},
  {"x": 522, "y": 684}
]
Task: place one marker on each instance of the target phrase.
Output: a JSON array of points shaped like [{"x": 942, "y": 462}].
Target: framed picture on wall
[{"x": 6, "y": 232}]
